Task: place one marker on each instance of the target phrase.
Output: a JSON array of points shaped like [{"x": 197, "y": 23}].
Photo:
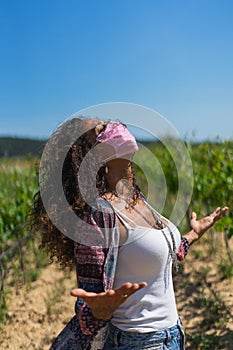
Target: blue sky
[{"x": 61, "y": 56}]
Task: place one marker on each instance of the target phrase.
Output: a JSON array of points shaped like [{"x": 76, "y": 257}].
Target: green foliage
[
  {"x": 196, "y": 253},
  {"x": 3, "y": 306},
  {"x": 17, "y": 187},
  {"x": 213, "y": 177},
  {"x": 203, "y": 341},
  {"x": 226, "y": 269},
  {"x": 213, "y": 185}
]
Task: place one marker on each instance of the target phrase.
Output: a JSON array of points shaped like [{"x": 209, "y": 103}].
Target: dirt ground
[{"x": 37, "y": 312}]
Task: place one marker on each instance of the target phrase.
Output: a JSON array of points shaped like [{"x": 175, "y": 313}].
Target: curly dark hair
[{"x": 58, "y": 246}]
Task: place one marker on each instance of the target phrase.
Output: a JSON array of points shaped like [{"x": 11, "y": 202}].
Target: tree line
[{"x": 20, "y": 147}]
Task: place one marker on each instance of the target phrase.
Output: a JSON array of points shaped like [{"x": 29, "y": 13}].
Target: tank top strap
[
  {"x": 156, "y": 215},
  {"x": 124, "y": 218}
]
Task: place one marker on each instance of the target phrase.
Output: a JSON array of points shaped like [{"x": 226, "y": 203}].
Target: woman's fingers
[
  {"x": 129, "y": 288},
  {"x": 219, "y": 213},
  {"x": 194, "y": 216},
  {"x": 79, "y": 292},
  {"x": 224, "y": 210}
]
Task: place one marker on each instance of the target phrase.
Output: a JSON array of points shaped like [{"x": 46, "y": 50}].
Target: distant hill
[{"x": 19, "y": 147}]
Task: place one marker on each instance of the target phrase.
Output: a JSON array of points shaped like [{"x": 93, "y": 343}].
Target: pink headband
[{"x": 118, "y": 136}]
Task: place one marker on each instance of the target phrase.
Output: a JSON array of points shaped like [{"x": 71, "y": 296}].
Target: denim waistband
[{"x": 125, "y": 337}]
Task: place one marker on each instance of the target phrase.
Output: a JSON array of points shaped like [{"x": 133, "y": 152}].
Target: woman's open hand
[
  {"x": 104, "y": 304},
  {"x": 199, "y": 227}
]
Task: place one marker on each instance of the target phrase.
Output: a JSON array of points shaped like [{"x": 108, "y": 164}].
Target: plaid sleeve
[
  {"x": 90, "y": 261},
  {"x": 90, "y": 271},
  {"x": 183, "y": 249}
]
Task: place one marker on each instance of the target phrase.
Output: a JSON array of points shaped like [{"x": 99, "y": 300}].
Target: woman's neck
[{"x": 120, "y": 177}]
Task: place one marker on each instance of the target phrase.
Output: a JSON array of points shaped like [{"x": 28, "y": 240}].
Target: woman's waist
[
  {"x": 147, "y": 309},
  {"x": 126, "y": 336}
]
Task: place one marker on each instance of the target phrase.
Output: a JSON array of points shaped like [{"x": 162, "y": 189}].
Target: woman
[{"x": 125, "y": 298}]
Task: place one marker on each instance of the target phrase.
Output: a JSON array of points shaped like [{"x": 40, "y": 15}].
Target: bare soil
[{"x": 38, "y": 311}]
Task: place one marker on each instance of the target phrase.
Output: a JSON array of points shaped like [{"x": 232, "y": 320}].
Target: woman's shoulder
[
  {"x": 105, "y": 200},
  {"x": 103, "y": 205}
]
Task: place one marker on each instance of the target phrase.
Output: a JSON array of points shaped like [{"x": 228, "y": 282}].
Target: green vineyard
[{"x": 212, "y": 176}]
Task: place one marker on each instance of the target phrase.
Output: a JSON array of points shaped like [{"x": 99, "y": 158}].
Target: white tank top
[{"x": 145, "y": 257}]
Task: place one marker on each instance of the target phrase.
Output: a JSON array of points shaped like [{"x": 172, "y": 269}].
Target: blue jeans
[{"x": 171, "y": 338}]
